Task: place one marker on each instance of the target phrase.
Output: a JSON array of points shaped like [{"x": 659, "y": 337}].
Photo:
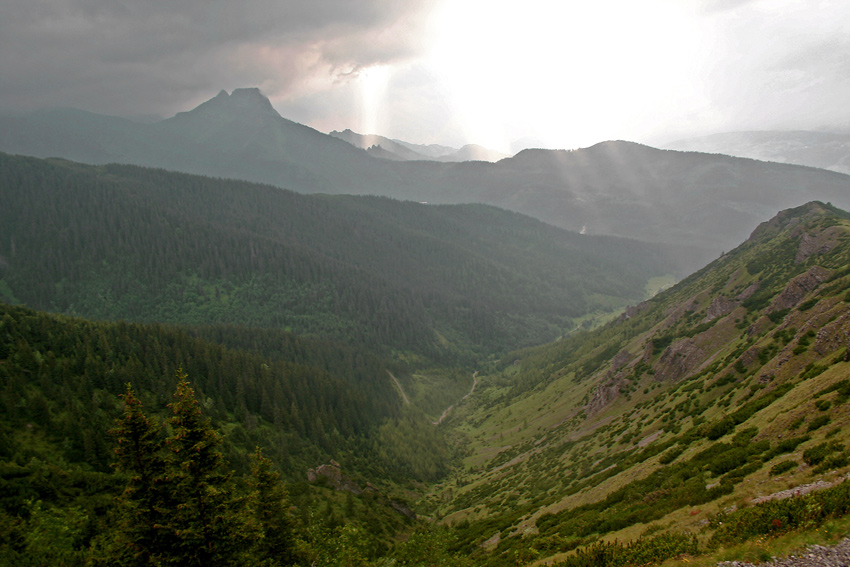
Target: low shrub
[
  {"x": 779, "y": 516},
  {"x": 818, "y": 422},
  {"x": 644, "y": 551},
  {"x": 782, "y": 467}
]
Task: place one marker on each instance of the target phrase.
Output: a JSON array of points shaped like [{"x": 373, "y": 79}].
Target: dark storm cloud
[{"x": 144, "y": 56}]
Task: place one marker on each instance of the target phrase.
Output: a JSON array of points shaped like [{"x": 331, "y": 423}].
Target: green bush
[
  {"x": 644, "y": 551},
  {"x": 782, "y": 467},
  {"x": 832, "y": 462},
  {"x": 815, "y": 455},
  {"x": 780, "y": 516},
  {"x": 818, "y": 422}
]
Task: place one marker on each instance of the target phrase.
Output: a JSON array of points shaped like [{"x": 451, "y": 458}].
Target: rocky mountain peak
[{"x": 241, "y": 102}]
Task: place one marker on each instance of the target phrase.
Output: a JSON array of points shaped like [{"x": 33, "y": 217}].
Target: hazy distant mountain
[
  {"x": 386, "y": 148},
  {"x": 529, "y": 143},
  {"x": 474, "y": 152},
  {"x": 430, "y": 150},
  {"x": 817, "y": 149},
  {"x": 709, "y": 202}
]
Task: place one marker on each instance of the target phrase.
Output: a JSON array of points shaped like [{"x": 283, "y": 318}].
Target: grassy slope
[{"x": 569, "y": 424}]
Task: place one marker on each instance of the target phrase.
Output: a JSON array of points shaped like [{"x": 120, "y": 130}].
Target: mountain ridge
[
  {"x": 826, "y": 150},
  {"x": 708, "y": 202},
  {"x": 386, "y": 148},
  {"x": 438, "y": 280}
]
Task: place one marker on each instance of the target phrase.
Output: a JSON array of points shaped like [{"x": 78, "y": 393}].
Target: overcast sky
[{"x": 555, "y": 73}]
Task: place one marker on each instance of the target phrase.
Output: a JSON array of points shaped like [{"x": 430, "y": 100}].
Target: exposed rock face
[
  {"x": 620, "y": 360},
  {"x": 719, "y": 307},
  {"x": 335, "y": 478},
  {"x": 813, "y": 556},
  {"x": 604, "y": 394},
  {"x": 819, "y": 243},
  {"x": 750, "y": 356},
  {"x": 634, "y": 311},
  {"x": 679, "y": 359},
  {"x": 833, "y": 335},
  {"x": 797, "y": 288},
  {"x": 747, "y": 293},
  {"x": 676, "y": 312}
]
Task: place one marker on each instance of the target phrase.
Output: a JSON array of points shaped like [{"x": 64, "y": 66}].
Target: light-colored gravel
[{"x": 814, "y": 556}]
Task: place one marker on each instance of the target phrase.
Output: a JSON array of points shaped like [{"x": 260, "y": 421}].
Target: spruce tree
[
  {"x": 206, "y": 520},
  {"x": 139, "y": 538},
  {"x": 270, "y": 509}
]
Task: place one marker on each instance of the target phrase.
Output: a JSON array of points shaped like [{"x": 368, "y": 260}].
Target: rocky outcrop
[
  {"x": 334, "y": 478},
  {"x": 678, "y": 360},
  {"x": 747, "y": 293},
  {"x": 676, "y": 312},
  {"x": 634, "y": 311},
  {"x": 798, "y": 287},
  {"x": 621, "y": 359},
  {"x": 750, "y": 357},
  {"x": 604, "y": 394},
  {"x": 817, "y": 243},
  {"x": 812, "y": 556},
  {"x": 833, "y": 335},
  {"x": 719, "y": 307}
]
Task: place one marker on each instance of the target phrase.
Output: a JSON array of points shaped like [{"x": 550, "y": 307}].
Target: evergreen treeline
[
  {"x": 173, "y": 500},
  {"x": 61, "y": 386},
  {"x": 119, "y": 241},
  {"x": 60, "y": 378}
]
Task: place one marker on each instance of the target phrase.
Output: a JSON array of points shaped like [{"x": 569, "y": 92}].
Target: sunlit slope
[{"x": 731, "y": 384}]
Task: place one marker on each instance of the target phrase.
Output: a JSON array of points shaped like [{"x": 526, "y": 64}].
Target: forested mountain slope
[
  {"x": 61, "y": 379},
  {"x": 615, "y": 188},
  {"x": 122, "y": 242},
  {"x": 62, "y": 497},
  {"x": 729, "y": 386}
]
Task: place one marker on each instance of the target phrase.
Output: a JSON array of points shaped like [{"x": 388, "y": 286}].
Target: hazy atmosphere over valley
[{"x": 429, "y": 283}]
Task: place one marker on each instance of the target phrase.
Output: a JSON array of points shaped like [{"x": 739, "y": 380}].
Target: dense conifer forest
[
  {"x": 77, "y": 394},
  {"x": 445, "y": 282}
]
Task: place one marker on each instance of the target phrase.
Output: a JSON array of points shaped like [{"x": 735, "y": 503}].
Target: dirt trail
[
  {"x": 400, "y": 389},
  {"x": 451, "y": 407}
]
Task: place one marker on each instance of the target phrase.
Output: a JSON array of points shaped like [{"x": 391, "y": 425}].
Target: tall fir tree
[
  {"x": 269, "y": 503},
  {"x": 144, "y": 504},
  {"x": 207, "y": 519}
]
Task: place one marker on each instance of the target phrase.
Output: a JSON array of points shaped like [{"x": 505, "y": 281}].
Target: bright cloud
[{"x": 567, "y": 73}]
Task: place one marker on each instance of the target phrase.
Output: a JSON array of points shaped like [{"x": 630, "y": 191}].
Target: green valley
[{"x": 361, "y": 381}]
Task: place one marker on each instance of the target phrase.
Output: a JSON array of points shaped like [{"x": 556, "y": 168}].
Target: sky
[{"x": 502, "y": 74}]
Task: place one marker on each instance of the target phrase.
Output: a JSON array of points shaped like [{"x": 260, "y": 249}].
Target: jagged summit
[{"x": 241, "y": 102}]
